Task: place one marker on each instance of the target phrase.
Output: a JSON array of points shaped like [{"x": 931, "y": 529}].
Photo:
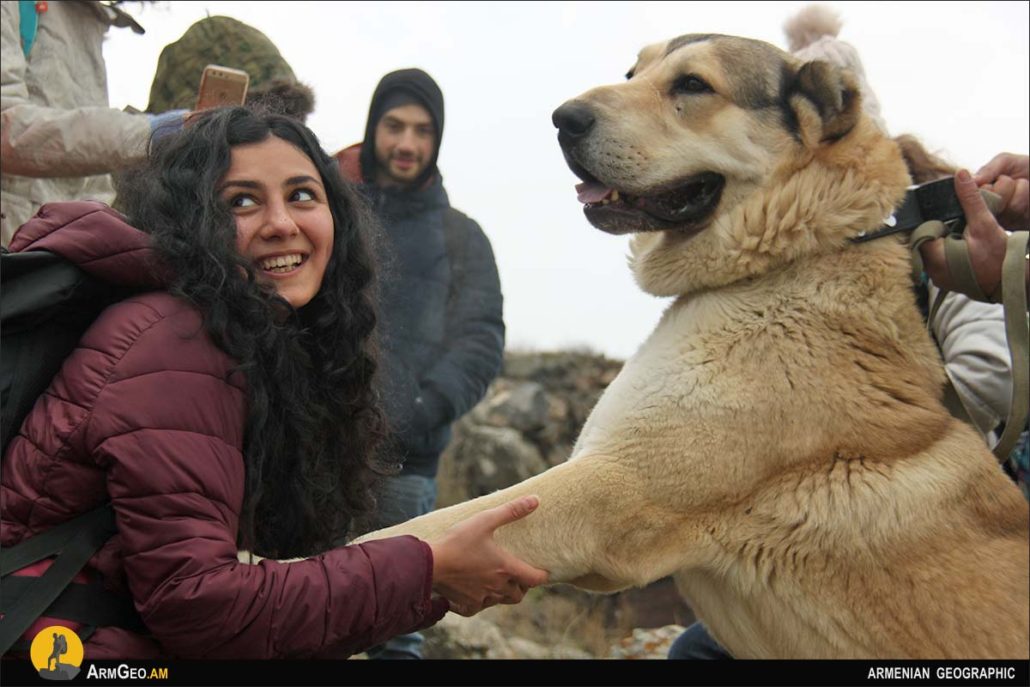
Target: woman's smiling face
[{"x": 283, "y": 222}]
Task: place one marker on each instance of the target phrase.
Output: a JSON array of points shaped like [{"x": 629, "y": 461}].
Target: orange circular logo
[{"x": 56, "y": 653}]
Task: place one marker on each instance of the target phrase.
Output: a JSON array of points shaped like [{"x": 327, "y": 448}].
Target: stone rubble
[{"x": 647, "y": 643}]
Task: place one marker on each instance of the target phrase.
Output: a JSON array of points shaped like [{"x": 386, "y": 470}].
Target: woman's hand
[{"x": 472, "y": 572}]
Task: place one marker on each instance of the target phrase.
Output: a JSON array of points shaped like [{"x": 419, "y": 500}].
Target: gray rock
[
  {"x": 492, "y": 458},
  {"x": 457, "y": 637},
  {"x": 522, "y": 406},
  {"x": 464, "y": 638}
]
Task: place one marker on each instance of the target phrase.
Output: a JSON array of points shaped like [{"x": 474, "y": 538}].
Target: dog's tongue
[{"x": 591, "y": 192}]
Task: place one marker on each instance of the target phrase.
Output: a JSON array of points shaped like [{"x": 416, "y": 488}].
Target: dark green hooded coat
[{"x": 229, "y": 43}]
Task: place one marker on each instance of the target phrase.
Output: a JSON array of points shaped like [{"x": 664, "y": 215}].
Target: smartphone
[{"x": 221, "y": 86}]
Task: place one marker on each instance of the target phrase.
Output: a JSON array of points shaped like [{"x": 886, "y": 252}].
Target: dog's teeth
[
  {"x": 604, "y": 202},
  {"x": 615, "y": 196}
]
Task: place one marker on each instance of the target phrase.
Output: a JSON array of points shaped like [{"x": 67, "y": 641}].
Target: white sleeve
[
  {"x": 972, "y": 340},
  {"x": 41, "y": 141}
]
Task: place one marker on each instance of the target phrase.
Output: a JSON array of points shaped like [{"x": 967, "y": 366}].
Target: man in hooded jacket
[{"x": 441, "y": 323}]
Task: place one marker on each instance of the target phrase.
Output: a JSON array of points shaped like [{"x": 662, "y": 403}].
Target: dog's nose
[{"x": 573, "y": 119}]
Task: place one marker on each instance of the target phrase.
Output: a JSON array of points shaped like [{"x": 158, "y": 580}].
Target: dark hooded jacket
[
  {"x": 418, "y": 86},
  {"x": 147, "y": 414},
  {"x": 441, "y": 313}
]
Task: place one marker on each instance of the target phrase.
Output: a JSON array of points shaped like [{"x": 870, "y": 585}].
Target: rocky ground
[{"x": 527, "y": 423}]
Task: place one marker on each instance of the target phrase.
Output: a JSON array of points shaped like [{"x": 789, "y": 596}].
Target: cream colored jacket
[
  {"x": 59, "y": 139},
  {"x": 976, "y": 357}
]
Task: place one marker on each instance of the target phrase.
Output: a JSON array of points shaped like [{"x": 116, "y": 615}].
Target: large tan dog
[{"x": 778, "y": 442}]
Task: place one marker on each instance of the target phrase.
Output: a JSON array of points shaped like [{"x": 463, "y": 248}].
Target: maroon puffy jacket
[{"x": 144, "y": 413}]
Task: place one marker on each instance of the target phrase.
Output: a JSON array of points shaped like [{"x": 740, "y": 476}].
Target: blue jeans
[
  {"x": 403, "y": 497},
  {"x": 696, "y": 644}
]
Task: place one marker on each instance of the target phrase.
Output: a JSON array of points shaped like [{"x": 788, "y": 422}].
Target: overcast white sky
[{"x": 953, "y": 73}]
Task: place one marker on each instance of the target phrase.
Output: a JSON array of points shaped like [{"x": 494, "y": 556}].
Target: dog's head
[{"x": 728, "y": 157}]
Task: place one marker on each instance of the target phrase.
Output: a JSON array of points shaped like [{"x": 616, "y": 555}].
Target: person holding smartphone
[
  {"x": 228, "y": 42},
  {"x": 59, "y": 138}
]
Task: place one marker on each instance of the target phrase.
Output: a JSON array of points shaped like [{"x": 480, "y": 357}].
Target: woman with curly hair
[{"x": 231, "y": 406}]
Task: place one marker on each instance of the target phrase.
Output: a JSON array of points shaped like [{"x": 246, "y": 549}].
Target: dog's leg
[{"x": 594, "y": 528}]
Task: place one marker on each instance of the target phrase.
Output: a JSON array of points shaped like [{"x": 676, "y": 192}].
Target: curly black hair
[{"x": 314, "y": 424}]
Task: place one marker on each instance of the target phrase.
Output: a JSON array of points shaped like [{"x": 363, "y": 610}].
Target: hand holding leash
[
  {"x": 984, "y": 239},
  {"x": 989, "y": 264},
  {"x": 1008, "y": 175},
  {"x": 472, "y": 572}
]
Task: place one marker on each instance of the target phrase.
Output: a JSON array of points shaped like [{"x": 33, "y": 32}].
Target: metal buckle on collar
[{"x": 932, "y": 200}]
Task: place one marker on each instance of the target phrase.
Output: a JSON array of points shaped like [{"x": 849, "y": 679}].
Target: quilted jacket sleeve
[{"x": 167, "y": 427}]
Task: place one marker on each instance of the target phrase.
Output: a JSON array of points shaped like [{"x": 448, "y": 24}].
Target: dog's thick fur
[{"x": 778, "y": 442}]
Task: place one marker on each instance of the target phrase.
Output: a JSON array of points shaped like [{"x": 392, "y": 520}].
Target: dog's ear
[{"x": 826, "y": 101}]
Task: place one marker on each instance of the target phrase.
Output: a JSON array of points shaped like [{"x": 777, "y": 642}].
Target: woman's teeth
[{"x": 281, "y": 263}]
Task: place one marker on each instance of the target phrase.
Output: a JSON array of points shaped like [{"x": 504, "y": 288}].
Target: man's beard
[{"x": 402, "y": 177}]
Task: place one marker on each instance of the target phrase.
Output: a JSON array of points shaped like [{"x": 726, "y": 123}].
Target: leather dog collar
[{"x": 932, "y": 200}]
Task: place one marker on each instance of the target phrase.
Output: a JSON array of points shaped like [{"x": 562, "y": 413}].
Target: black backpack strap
[
  {"x": 52, "y": 542},
  {"x": 75, "y": 543},
  {"x": 90, "y": 604}
]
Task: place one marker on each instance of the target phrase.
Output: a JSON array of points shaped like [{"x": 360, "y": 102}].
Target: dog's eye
[{"x": 690, "y": 83}]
